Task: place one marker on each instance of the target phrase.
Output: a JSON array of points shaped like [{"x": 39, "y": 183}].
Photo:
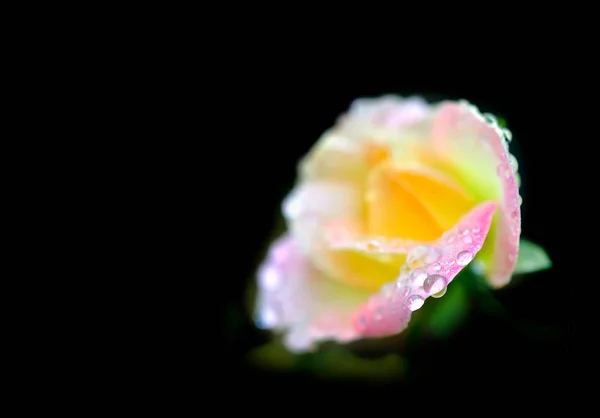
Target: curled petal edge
[{"x": 427, "y": 271}]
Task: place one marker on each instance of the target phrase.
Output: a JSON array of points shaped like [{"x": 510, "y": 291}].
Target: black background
[{"x": 278, "y": 113}]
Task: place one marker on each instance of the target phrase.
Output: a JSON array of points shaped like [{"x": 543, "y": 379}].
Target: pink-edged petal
[
  {"x": 475, "y": 149},
  {"x": 427, "y": 271},
  {"x": 295, "y": 298}
]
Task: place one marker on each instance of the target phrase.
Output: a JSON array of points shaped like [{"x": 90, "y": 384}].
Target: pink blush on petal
[{"x": 428, "y": 270}]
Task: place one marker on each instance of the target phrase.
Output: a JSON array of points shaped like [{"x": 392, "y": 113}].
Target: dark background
[{"x": 283, "y": 112}]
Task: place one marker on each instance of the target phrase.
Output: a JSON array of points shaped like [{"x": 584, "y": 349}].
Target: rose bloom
[{"x": 389, "y": 206}]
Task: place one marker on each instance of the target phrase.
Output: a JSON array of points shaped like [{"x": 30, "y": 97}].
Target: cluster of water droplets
[{"x": 428, "y": 269}]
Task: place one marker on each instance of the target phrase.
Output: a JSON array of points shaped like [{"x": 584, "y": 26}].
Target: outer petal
[
  {"x": 311, "y": 205},
  {"x": 473, "y": 148},
  {"x": 427, "y": 271},
  {"x": 295, "y": 297},
  {"x": 361, "y": 137}
]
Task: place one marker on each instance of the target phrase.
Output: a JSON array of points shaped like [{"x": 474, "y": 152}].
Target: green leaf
[
  {"x": 532, "y": 258},
  {"x": 449, "y": 311}
]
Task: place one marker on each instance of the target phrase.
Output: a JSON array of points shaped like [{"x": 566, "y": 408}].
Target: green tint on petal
[
  {"x": 531, "y": 258},
  {"x": 449, "y": 311}
]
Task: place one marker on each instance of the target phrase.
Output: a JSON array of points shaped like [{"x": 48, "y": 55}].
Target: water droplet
[
  {"x": 514, "y": 214},
  {"x": 475, "y": 230},
  {"x": 418, "y": 276},
  {"x": 416, "y": 255},
  {"x": 463, "y": 258},
  {"x": 514, "y": 164},
  {"x": 269, "y": 278},
  {"x": 434, "y": 267},
  {"x": 267, "y": 319},
  {"x": 402, "y": 292},
  {"x": 405, "y": 269},
  {"x": 450, "y": 239},
  {"x": 514, "y": 229},
  {"x": 520, "y": 200},
  {"x": 434, "y": 284},
  {"x": 463, "y": 231},
  {"x": 440, "y": 293},
  {"x": 292, "y": 207},
  {"x": 507, "y": 134},
  {"x": 491, "y": 119},
  {"x": 414, "y": 302},
  {"x": 373, "y": 245},
  {"x": 433, "y": 255},
  {"x": 467, "y": 239}
]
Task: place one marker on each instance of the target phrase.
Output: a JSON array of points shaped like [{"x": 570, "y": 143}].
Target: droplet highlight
[
  {"x": 434, "y": 283},
  {"x": 440, "y": 293},
  {"x": 463, "y": 258},
  {"x": 434, "y": 267},
  {"x": 418, "y": 276},
  {"x": 414, "y": 302}
]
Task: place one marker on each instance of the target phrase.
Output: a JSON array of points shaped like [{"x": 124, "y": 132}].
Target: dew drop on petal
[
  {"x": 433, "y": 255},
  {"x": 514, "y": 164},
  {"x": 292, "y": 207},
  {"x": 435, "y": 283},
  {"x": 269, "y": 278},
  {"x": 491, "y": 119},
  {"x": 267, "y": 319},
  {"x": 373, "y": 245},
  {"x": 418, "y": 276},
  {"x": 463, "y": 258},
  {"x": 414, "y": 302},
  {"x": 440, "y": 293},
  {"x": 467, "y": 239},
  {"x": 434, "y": 267},
  {"x": 507, "y": 134}
]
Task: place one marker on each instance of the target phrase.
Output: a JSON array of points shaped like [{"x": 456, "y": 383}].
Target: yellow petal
[
  {"x": 444, "y": 199},
  {"x": 393, "y": 210}
]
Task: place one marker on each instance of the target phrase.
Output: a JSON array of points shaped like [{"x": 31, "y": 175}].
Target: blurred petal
[
  {"x": 532, "y": 258},
  {"x": 359, "y": 139},
  {"x": 335, "y": 157},
  {"x": 427, "y": 271},
  {"x": 311, "y": 205},
  {"x": 474, "y": 150},
  {"x": 296, "y": 298}
]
